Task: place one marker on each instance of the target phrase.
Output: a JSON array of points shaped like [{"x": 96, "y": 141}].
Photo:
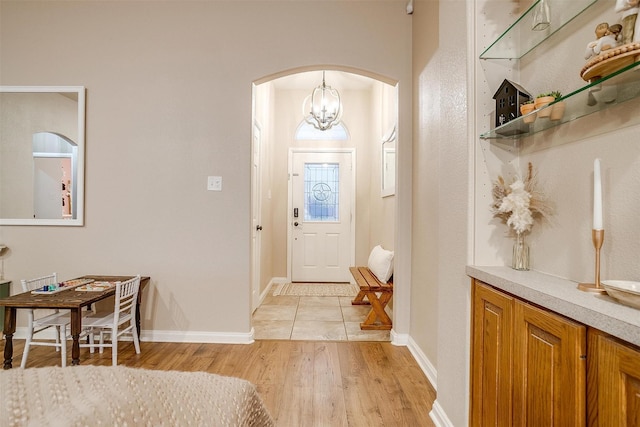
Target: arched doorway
[{"x": 370, "y": 105}]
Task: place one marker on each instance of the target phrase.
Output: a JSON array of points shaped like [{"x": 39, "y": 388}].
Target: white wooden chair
[
  {"x": 117, "y": 323},
  {"x": 58, "y": 320}
]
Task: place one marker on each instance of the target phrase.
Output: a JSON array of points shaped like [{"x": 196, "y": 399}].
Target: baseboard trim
[
  {"x": 198, "y": 337},
  {"x": 438, "y": 416},
  {"x": 272, "y": 282},
  {"x": 267, "y": 289},
  {"x": 424, "y": 363},
  {"x": 264, "y": 293},
  {"x": 278, "y": 280},
  {"x": 167, "y": 336},
  {"x": 400, "y": 340}
]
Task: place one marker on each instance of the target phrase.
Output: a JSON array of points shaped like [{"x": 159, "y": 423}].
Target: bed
[{"x": 117, "y": 395}]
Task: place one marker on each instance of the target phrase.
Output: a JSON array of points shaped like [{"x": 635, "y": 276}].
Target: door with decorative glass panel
[{"x": 321, "y": 212}]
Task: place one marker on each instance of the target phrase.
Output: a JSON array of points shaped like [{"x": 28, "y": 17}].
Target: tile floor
[{"x": 312, "y": 318}]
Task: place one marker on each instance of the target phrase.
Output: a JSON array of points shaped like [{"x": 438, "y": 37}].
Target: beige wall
[
  {"x": 441, "y": 203},
  {"x": 426, "y": 143},
  {"x": 169, "y": 103}
]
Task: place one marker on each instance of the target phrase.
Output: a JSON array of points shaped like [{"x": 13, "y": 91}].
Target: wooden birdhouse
[{"x": 509, "y": 97}]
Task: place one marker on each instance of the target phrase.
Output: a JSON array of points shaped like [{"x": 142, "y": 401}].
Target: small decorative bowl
[{"x": 623, "y": 291}]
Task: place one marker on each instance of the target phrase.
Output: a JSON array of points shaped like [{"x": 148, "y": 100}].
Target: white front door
[
  {"x": 47, "y": 181},
  {"x": 321, "y": 216}
]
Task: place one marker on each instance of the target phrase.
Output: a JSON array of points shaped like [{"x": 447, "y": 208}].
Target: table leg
[
  {"x": 9, "y": 330},
  {"x": 138, "y": 312},
  {"x": 144, "y": 281},
  {"x": 76, "y": 327}
]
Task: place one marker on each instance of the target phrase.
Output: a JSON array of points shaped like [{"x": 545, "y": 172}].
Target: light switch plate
[{"x": 214, "y": 183}]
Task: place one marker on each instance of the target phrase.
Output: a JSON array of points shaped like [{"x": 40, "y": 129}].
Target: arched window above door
[{"x": 306, "y": 132}]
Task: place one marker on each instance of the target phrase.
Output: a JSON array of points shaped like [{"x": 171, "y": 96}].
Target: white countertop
[{"x": 563, "y": 296}]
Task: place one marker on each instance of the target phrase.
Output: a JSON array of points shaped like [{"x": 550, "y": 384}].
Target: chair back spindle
[{"x": 39, "y": 322}]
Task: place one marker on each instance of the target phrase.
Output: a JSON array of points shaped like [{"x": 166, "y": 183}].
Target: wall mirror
[
  {"x": 389, "y": 163},
  {"x": 42, "y": 155}
]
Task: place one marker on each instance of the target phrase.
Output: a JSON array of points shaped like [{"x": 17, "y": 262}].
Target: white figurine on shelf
[
  {"x": 601, "y": 31},
  {"x": 609, "y": 40},
  {"x": 629, "y": 10}
]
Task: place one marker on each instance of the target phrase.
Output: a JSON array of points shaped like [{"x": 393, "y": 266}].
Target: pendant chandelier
[{"x": 323, "y": 108}]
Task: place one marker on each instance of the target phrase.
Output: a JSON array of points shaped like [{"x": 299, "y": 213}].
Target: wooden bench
[{"x": 370, "y": 287}]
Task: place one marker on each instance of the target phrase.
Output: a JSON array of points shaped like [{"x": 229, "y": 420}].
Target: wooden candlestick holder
[{"x": 597, "y": 236}]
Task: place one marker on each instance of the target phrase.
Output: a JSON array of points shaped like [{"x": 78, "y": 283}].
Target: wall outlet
[{"x": 214, "y": 183}]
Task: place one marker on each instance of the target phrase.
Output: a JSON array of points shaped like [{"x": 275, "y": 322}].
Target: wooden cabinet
[
  {"x": 528, "y": 364},
  {"x": 491, "y": 370},
  {"x": 549, "y": 366},
  {"x": 614, "y": 382}
]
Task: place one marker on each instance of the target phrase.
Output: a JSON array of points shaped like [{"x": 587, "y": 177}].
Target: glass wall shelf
[
  {"x": 519, "y": 39},
  {"x": 616, "y": 88}
]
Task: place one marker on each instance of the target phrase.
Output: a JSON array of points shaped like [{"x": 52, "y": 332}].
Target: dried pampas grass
[{"x": 538, "y": 206}]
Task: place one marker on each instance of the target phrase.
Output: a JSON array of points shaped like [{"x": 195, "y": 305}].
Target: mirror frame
[{"x": 80, "y": 91}]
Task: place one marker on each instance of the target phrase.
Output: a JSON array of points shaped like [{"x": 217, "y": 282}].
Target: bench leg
[
  {"x": 377, "y": 312},
  {"x": 359, "y": 299}
]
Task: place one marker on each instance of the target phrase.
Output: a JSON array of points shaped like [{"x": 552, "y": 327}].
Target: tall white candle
[{"x": 597, "y": 196}]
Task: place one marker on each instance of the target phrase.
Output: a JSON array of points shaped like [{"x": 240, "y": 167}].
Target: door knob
[
  {"x": 259, "y": 227},
  {"x": 295, "y": 224}
]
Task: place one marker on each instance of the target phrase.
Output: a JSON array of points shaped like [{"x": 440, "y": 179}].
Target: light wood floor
[{"x": 303, "y": 383}]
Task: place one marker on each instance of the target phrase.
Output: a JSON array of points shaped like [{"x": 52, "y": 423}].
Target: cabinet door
[
  {"x": 618, "y": 383},
  {"x": 491, "y": 359},
  {"x": 549, "y": 369}
]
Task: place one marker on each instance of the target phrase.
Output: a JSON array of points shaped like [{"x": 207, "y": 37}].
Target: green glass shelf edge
[
  {"x": 625, "y": 82},
  {"x": 506, "y": 48}
]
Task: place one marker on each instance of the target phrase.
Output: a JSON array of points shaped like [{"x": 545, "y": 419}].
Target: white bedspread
[{"x": 121, "y": 396}]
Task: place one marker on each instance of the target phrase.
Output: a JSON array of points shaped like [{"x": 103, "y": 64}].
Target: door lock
[
  {"x": 259, "y": 227},
  {"x": 295, "y": 224}
]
